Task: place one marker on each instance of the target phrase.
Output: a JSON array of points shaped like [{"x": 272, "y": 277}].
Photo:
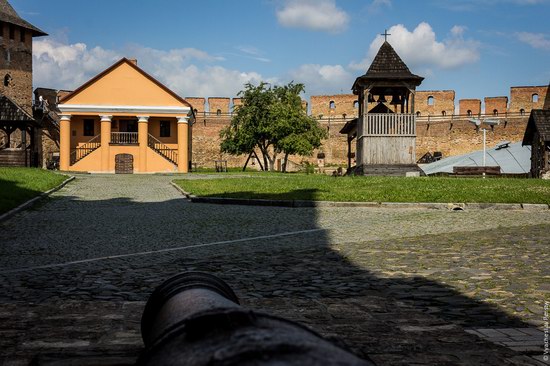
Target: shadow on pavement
[{"x": 394, "y": 320}]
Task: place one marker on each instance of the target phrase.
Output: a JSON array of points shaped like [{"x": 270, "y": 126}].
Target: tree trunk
[
  {"x": 284, "y": 162},
  {"x": 263, "y": 150},
  {"x": 246, "y": 163}
]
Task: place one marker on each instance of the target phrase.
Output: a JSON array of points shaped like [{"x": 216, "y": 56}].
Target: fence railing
[
  {"x": 82, "y": 151},
  {"x": 386, "y": 124},
  {"x": 124, "y": 138},
  {"x": 162, "y": 149}
]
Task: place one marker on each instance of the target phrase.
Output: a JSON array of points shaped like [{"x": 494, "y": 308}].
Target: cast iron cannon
[{"x": 195, "y": 318}]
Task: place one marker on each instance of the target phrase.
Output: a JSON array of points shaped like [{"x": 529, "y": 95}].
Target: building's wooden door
[{"x": 124, "y": 164}]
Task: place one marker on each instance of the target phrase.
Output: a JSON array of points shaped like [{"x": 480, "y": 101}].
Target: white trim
[
  {"x": 137, "y": 109},
  {"x": 65, "y": 117},
  {"x": 106, "y": 118},
  {"x": 143, "y": 118},
  {"x": 183, "y": 119}
]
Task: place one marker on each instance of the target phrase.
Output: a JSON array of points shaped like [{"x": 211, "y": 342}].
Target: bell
[
  {"x": 371, "y": 98},
  {"x": 396, "y": 100},
  {"x": 382, "y": 99}
]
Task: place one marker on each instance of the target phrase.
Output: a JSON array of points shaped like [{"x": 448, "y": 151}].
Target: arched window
[
  {"x": 469, "y": 113},
  {"x": 332, "y": 105},
  {"x": 522, "y": 111},
  {"x": 535, "y": 98},
  {"x": 219, "y": 112},
  {"x": 356, "y": 104},
  {"x": 495, "y": 112},
  {"x": 443, "y": 113},
  {"x": 430, "y": 100},
  {"x": 195, "y": 111},
  {"x": 344, "y": 115},
  {"x": 7, "y": 80},
  {"x": 418, "y": 114}
]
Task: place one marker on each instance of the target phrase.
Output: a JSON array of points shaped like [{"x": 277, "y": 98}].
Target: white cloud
[
  {"x": 317, "y": 15},
  {"x": 458, "y": 30},
  {"x": 535, "y": 40},
  {"x": 66, "y": 66},
  {"x": 420, "y": 49},
  {"x": 378, "y": 5},
  {"x": 187, "y": 71},
  {"x": 323, "y": 79},
  {"x": 252, "y": 53}
]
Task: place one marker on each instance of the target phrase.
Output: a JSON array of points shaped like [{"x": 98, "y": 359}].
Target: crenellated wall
[
  {"x": 528, "y": 97},
  {"x": 450, "y": 133},
  {"x": 435, "y": 102},
  {"x": 469, "y": 107}
]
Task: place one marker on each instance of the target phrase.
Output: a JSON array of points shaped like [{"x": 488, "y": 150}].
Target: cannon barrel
[{"x": 195, "y": 318}]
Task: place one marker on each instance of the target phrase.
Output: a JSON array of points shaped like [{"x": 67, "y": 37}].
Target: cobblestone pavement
[{"x": 400, "y": 286}]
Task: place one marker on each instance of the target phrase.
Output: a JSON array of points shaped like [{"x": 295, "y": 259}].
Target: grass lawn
[
  {"x": 18, "y": 185},
  {"x": 372, "y": 189}
]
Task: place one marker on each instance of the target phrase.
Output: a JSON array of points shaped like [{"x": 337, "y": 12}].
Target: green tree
[{"x": 274, "y": 121}]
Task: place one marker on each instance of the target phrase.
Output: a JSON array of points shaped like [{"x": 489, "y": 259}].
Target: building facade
[{"x": 125, "y": 121}]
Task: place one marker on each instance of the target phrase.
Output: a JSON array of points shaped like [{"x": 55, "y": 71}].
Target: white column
[
  {"x": 105, "y": 141},
  {"x": 143, "y": 133}
]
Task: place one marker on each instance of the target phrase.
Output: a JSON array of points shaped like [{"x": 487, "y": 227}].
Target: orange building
[{"x": 125, "y": 121}]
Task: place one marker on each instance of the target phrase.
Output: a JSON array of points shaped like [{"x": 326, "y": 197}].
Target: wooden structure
[
  {"x": 476, "y": 170},
  {"x": 386, "y": 138},
  {"x": 21, "y": 152},
  {"x": 537, "y": 134}
]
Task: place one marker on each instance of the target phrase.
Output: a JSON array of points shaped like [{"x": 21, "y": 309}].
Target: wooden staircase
[
  {"x": 163, "y": 150},
  {"x": 84, "y": 150}
]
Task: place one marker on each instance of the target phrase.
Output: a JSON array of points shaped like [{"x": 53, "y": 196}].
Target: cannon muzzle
[{"x": 195, "y": 318}]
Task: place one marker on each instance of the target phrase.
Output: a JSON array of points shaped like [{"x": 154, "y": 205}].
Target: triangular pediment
[{"x": 124, "y": 84}]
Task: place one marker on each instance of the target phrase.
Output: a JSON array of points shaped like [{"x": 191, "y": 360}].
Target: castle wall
[
  {"x": 496, "y": 105},
  {"x": 221, "y": 104},
  {"x": 342, "y": 104},
  {"x": 198, "y": 104},
  {"x": 472, "y": 105},
  {"x": 522, "y": 98},
  {"x": 435, "y": 102}
]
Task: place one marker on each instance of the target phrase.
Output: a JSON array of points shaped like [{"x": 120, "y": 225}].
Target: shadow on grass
[
  {"x": 12, "y": 195},
  {"x": 393, "y": 320}
]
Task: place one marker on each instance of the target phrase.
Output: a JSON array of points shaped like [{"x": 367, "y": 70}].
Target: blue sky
[{"x": 211, "y": 48}]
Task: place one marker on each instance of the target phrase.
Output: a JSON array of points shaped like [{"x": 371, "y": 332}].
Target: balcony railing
[{"x": 124, "y": 138}]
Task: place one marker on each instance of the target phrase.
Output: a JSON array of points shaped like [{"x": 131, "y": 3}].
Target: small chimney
[{"x": 133, "y": 60}]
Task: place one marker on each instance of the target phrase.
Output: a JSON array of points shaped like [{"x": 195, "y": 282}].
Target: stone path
[{"x": 400, "y": 286}]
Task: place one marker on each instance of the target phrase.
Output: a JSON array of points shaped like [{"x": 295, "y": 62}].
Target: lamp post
[{"x": 486, "y": 122}]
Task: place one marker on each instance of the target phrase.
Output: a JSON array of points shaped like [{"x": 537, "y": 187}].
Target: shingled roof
[
  {"x": 11, "y": 112},
  {"x": 9, "y": 15},
  {"x": 539, "y": 120},
  {"x": 387, "y": 65}
]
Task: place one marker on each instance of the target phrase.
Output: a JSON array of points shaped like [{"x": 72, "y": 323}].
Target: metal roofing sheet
[{"x": 514, "y": 159}]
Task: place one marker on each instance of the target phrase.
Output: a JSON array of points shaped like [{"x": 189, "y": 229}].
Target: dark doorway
[{"x": 128, "y": 125}]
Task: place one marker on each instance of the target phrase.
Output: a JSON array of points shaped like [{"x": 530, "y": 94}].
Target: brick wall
[
  {"x": 16, "y": 60},
  {"x": 342, "y": 104},
  {"x": 221, "y": 104},
  {"x": 472, "y": 105},
  {"x": 522, "y": 97},
  {"x": 496, "y": 105},
  {"x": 198, "y": 104},
  {"x": 442, "y": 102}
]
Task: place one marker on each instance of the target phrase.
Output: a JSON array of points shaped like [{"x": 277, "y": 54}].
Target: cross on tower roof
[{"x": 385, "y": 34}]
